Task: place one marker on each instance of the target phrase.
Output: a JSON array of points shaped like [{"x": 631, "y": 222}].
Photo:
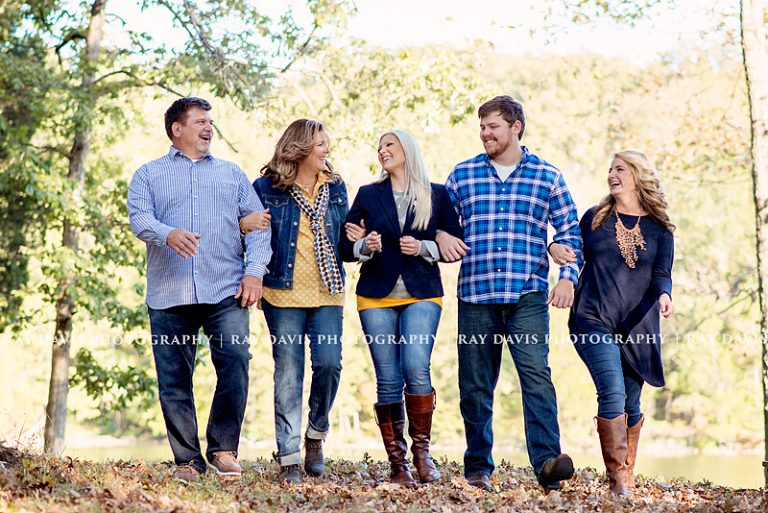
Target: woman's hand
[
  {"x": 255, "y": 221},
  {"x": 355, "y": 232},
  {"x": 373, "y": 241},
  {"x": 561, "y": 253},
  {"x": 666, "y": 306},
  {"x": 409, "y": 245}
]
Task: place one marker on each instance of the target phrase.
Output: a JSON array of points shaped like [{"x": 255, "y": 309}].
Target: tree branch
[
  {"x": 302, "y": 51},
  {"x": 138, "y": 81},
  {"x": 64, "y": 152},
  {"x": 68, "y": 39}
]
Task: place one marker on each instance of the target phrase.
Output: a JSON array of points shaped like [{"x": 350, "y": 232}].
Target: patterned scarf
[{"x": 326, "y": 259}]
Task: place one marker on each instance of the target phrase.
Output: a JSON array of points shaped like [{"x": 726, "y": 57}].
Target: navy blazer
[{"x": 375, "y": 204}]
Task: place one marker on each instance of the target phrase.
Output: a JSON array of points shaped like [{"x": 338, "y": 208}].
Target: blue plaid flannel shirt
[{"x": 505, "y": 226}]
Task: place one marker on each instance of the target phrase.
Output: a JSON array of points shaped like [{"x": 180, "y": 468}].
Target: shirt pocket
[
  {"x": 337, "y": 206},
  {"x": 277, "y": 205},
  {"x": 280, "y": 211},
  {"x": 222, "y": 198}
]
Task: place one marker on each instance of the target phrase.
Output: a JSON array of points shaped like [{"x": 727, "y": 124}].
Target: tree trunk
[
  {"x": 56, "y": 410},
  {"x": 755, "y": 53}
]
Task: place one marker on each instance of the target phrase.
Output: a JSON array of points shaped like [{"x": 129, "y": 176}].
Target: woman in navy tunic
[{"x": 624, "y": 286}]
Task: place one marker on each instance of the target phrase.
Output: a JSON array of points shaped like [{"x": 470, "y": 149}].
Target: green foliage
[
  {"x": 628, "y": 11},
  {"x": 62, "y": 105},
  {"x": 360, "y": 91},
  {"x": 115, "y": 387},
  {"x": 22, "y": 111}
]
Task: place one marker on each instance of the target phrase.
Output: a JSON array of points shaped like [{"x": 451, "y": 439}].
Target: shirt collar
[
  {"x": 173, "y": 152},
  {"x": 523, "y": 158},
  {"x": 321, "y": 179}
]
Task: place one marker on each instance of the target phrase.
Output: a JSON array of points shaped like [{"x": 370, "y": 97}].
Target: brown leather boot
[
  {"x": 613, "y": 442},
  {"x": 420, "y": 408},
  {"x": 633, "y": 438},
  {"x": 391, "y": 420}
]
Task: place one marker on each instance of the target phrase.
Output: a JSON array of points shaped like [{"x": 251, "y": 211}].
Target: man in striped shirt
[
  {"x": 186, "y": 207},
  {"x": 506, "y": 198}
]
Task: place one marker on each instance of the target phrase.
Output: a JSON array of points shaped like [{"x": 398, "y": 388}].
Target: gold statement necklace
[{"x": 629, "y": 240}]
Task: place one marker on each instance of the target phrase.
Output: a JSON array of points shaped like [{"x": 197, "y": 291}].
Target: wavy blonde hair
[
  {"x": 296, "y": 144},
  {"x": 648, "y": 190},
  {"x": 418, "y": 191}
]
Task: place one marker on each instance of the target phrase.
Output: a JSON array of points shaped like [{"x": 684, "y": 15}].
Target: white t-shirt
[{"x": 503, "y": 171}]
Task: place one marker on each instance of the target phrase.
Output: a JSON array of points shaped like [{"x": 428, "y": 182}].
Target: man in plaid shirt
[{"x": 506, "y": 197}]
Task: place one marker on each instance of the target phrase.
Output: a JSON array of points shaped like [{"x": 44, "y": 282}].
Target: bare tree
[{"x": 755, "y": 54}]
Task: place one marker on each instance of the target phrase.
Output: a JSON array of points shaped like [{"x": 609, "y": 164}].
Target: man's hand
[
  {"x": 452, "y": 249},
  {"x": 249, "y": 290},
  {"x": 666, "y": 306},
  {"x": 183, "y": 242},
  {"x": 255, "y": 221},
  {"x": 409, "y": 245},
  {"x": 561, "y": 295}
]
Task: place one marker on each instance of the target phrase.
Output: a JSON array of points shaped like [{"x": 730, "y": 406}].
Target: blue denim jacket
[{"x": 285, "y": 228}]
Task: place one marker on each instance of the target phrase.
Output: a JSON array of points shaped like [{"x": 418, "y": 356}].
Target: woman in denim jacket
[
  {"x": 399, "y": 295},
  {"x": 304, "y": 288}
]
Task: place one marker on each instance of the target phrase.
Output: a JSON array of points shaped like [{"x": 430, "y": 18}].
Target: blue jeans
[
  {"x": 175, "y": 335},
  {"x": 483, "y": 330},
  {"x": 400, "y": 340},
  {"x": 288, "y": 327},
  {"x": 618, "y": 385}
]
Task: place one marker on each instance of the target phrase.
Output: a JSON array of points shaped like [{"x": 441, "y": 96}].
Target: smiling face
[
  {"x": 193, "y": 135},
  {"x": 498, "y": 135},
  {"x": 391, "y": 154},
  {"x": 621, "y": 180},
  {"x": 317, "y": 159}
]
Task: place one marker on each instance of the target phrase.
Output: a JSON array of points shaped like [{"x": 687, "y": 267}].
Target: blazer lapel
[{"x": 387, "y": 200}]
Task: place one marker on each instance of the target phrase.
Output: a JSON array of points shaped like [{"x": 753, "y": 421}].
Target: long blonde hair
[
  {"x": 418, "y": 191},
  {"x": 296, "y": 144},
  {"x": 648, "y": 190}
]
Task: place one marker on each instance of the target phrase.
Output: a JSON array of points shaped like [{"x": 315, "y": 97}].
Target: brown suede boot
[
  {"x": 420, "y": 408},
  {"x": 613, "y": 442},
  {"x": 633, "y": 438},
  {"x": 391, "y": 420}
]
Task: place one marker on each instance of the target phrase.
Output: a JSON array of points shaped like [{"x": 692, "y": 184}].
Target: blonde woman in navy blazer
[{"x": 399, "y": 294}]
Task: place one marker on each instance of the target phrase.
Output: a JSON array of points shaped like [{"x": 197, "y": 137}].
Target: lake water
[{"x": 743, "y": 471}]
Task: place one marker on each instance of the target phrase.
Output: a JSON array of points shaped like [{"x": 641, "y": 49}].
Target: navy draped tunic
[{"x": 615, "y": 299}]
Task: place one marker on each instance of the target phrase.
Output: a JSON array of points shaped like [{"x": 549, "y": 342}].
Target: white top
[{"x": 503, "y": 171}]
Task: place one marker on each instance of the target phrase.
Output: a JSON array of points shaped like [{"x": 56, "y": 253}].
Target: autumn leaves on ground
[{"x": 36, "y": 483}]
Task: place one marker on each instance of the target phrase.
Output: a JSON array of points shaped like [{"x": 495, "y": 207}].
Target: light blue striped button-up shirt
[{"x": 206, "y": 197}]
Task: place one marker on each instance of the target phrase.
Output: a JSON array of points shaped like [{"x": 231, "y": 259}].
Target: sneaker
[
  {"x": 554, "y": 471},
  {"x": 314, "y": 463},
  {"x": 225, "y": 464},
  {"x": 289, "y": 474},
  {"x": 186, "y": 473}
]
